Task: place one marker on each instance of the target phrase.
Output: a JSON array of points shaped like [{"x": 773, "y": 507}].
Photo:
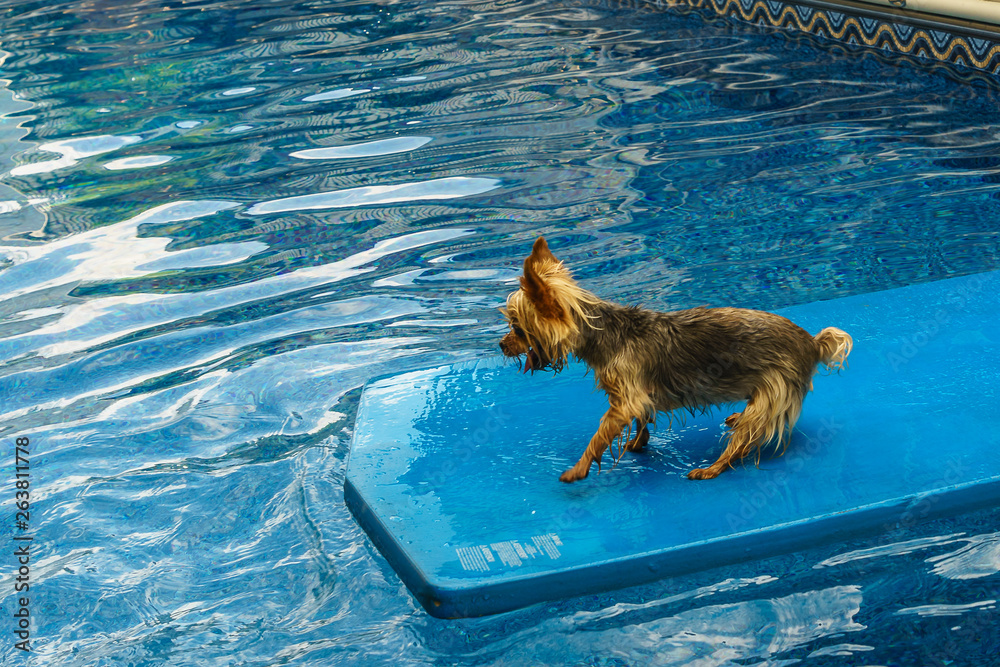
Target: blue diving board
[{"x": 453, "y": 471}]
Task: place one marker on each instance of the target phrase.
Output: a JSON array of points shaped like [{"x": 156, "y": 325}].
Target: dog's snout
[{"x": 512, "y": 346}]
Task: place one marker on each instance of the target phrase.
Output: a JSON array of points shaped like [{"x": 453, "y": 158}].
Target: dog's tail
[{"x": 834, "y": 346}]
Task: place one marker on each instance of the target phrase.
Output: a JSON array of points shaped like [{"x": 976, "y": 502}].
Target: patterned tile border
[{"x": 951, "y": 41}]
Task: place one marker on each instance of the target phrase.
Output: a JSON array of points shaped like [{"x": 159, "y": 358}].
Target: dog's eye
[{"x": 518, "y": 331}]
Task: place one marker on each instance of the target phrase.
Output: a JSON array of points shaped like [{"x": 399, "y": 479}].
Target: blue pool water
[{"x": 219, "y": 219}]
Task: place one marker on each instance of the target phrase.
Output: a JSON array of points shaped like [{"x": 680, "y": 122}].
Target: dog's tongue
[{"x": 531, "y": 361}]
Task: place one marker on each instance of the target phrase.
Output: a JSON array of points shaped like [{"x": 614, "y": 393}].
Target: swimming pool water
[{"x": 219, "y": 219}]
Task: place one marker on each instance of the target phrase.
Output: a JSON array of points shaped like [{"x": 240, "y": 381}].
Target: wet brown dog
[{"x": 649, "y": 362}]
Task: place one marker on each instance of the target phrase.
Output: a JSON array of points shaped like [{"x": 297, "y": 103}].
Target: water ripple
[{"x": 445, "y": 188}]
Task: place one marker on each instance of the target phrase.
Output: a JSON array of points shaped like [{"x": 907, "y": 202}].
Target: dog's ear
[
  {"x": 533, "y": 284},
  {"x": 540, "y": 251}
]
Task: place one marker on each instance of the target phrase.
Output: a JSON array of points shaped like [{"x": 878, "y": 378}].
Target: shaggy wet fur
[{"x": 649, "y": 362}]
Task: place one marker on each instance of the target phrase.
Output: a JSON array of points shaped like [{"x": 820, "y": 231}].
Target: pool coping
[{"x": 950, "y": 40}]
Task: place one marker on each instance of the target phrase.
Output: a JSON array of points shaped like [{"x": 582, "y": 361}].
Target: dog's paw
[
  {"x": 572, "y": 475},
  {"x": 638, "y": 443},
  {"x": 702, "y": 473}
]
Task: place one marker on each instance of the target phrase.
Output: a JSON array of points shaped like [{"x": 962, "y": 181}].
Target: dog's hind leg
[
  {"x": 743, "y": 438},
  {"x": 770, "y": 412},
  {"x": 734, "y": 450}
]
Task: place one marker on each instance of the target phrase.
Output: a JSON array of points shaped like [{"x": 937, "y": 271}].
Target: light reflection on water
[{"x": 219, "y": 219}]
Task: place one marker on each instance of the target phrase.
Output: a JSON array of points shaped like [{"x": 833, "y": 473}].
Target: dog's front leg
[
  {"x": 612, "y": 424},
  {"x": 638, "y": 443}
]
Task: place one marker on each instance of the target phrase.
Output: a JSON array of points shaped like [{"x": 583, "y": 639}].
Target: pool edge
[{"x": 930, "y": 38}]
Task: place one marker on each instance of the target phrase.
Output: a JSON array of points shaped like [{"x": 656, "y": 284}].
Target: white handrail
[{"x": 987, "y": 11}]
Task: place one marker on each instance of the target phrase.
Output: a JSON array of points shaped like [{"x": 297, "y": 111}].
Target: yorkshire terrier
[{"x": 650, "y": 362}]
